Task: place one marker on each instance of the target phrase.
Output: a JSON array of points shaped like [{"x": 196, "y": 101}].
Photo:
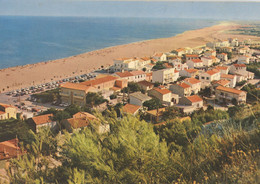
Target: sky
[{"x": 163, "y": 9}]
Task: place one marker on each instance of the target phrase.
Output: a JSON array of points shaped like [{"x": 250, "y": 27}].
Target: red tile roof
[
  {"x": 81, "y": 119},
  {"x": 221, "y": 67},
  {"x": 6, "y": 105},
  {"x": 192, "y": 55},
  {"x": 162, "y": 91},
  {"x": 124, "y": 74},
  {"x": 194, "y": 98},
  {"x": 130, "y": 108},
  {"x": 184, "y": 85},
  {"x": 239, "y": 65},
  {"x": 196, "y": 61},
  {"x": 227, "y": 76},
  {"x": 158, "y": 54},
  {"x": 146, "y": 58},
  {"x": 222, "y": 82},
  {"x": 75, "y": 86},
  {"x": 145, "y": 83},
  {"x": 10, "y": 149},
  {"x": 192, "y": 80},
  {"x": 180, "y": 49},
  {"x": 212, "y": 72},
  {"x": 139, "y": 72},
  {"x": 98, "y": 81},
  {"x": 191, "y": 70},
  {"x": 230, "y": 90},
  {"x": 39, "y": 120},
  {"x": 2, "y": 112}
]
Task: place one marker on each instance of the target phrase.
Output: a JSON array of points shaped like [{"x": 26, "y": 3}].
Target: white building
[
  {"x": 194, "y": 83},
  {"x": 138, "y": 98},
  {"x": 125, "y": 64},
  {"x": 165, "y": 75},
  {"x": 192, "y": 73},
  {"x": 133, "y": 76},
  {"x": 222, "y": 56},
  {"x": 243, "y": 59},
  {"x": 231, "y": 78},
  {"x": 195, "y": 63},
  {"x": 207, "y": 77}
]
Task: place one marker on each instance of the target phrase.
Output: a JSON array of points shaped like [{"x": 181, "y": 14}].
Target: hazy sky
[{"x": 188, "y": 9}]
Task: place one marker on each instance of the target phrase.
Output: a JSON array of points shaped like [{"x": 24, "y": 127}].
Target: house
[
  {"x": 209, "y": 60},
  {"x": 237, "y": 68},
  {"x": 222, "y": 69},
  {"x": 192, "y": 73},
  {"x": 131, "y": 109},
  {"x": 210, "y": 53},
  {"x": 240, "y": 71},
  {"x": 138, "y": 98},
  {"x": 164, "y": 95},
  {"x": 231, "y": 78},
  {"x": 173, "y": 58},
  {"x": 160, "y": 57},
  {"x": 167, "y": 65},
  {"x": 198, "y": 50},
  {"x": 165, "y": 75},
  {"x": 149, "y": 77},
  {"x": 207, "y": 77},
  {"x": 225, "y": 94},
  {"x": 181, "y": 89},
  {"x": 191, "y": 56},
  {"x": 145, "y": 85},
  {"x": 72, "y": 93},
  {"x": 125, "y": 64},
  {"x": 225, "y": 49},
  {"x": 194, "y": 83},
  {"x": 156, "y": 115},
  {"x": 10, "y": 149},
  {"x": 180, "y": 66},
  {"x": 221, "y": 82},
  {"x": 84, "y": 119},
  {"x": 179, "y": 51},
  {"x": 45, "y": 120},
  {"x": 144, "y": 61},
  {"x": 133, "y": 76},
  {"x": 189, "y": 104},
  {"x": 7, "y": 111},
  {"x": 243, "y": 59},
  {"x": 195, "y": 63},
  {"x": 222, "y": 56}
]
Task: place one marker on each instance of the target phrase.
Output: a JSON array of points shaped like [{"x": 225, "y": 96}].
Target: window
[
  {"x": 207, "y": 78},
  {"x": 222, "y": 93},
  {"x": 203, "y": 77}
]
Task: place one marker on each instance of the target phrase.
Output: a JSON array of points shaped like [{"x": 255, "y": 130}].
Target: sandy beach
[{"x": 28, "y": 75}]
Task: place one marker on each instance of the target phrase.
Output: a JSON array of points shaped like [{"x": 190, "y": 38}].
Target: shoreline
[{"x": 47, "y": 71}]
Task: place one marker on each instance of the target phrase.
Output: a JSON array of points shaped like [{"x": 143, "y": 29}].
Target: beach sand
[{"x": 33, "y": 74}]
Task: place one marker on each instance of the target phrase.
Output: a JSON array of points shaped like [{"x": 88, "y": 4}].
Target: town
[{"x": 172, "y": 85}]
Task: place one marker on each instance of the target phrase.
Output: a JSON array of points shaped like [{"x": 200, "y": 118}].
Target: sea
[{"x": 29, "y": 39}]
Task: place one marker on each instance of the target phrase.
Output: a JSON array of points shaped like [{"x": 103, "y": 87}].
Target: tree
[
  {"x": 159, "y": 66},
  {"x": 94, "y": 99},
  {"x": 144, "y": 69},
  {"x": 234, "y": 101},
  {"x": 153, "y": 104}
]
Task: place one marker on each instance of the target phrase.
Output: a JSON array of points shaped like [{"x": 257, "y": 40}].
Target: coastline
[{"x": 33, "y": 74}]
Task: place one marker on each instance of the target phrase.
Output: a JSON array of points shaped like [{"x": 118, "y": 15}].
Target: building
[
  {"x": 72, "y": 93},
  {"x": 225, "y": 94},
  {"x": 191, "y": 56},
  {"x": 165, "y": 75},
  {"x": 125, "y": 64},
  {"x": 195, "y": 63},
  {"x": 160, "y": 57},
  {"x": 133, "y": 76},
  {"x": 240, "y": 71},
  {"x": 221, "y": 82},
  {"x": 145, "y": 85},
  {"x": 243, "y": 59},
  {"x": 10, "y": 149},
  {"x": 180, "y": 66},
  {"x": 45, "y": 120},
  {"x": 209, "y": 60},
  {"x": 7, "y": 111},
  {"x": 194, "y": 83},
  {"x": 210, "y": 53},
  {"x": 179, "y": 51},
  {"x": 138, "y": 98},
  {"x": 231, "y": 78},
  {"x": 164, "y": 95},
  {"x": 207, "y": 77},
  {"x": 181, "y": 89},
  {"x": 84, "y": 119},
  {"x": 131, "y": 109},
  {"x": 222, "y": 69},
  {"x": 222, "y": 56},
  {"x": 189, "y": 104},
  {"x": 237, "y": 68},
  {"x": 192, "y": 73}
]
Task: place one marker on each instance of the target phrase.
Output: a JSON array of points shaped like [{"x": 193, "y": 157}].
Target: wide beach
[{"x": 33, "y": 74}]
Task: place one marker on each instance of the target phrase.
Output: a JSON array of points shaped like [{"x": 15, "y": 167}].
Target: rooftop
[
  {"x": 191, "y": 70},
  {"x": 194, "y": 98},
  {"x": 212, "y": 72},
  {"x": 162, "y": 91},
  {"x": 184, "y": 85},
  {"x": 75, "y": 86},
  {"x": 140, "y": 96},
  {"x": 192, "y": 80},
  {"x": 227, "y": 76},
  {"x": 221, "y": 67},
  {"x": 39, "y": 120},
  {"x": 156, "y": 112},
  {"x": 98, "y": 81},
  {"x": 145, "y": 83},
  {"x": 130, "y": 108},
  {"x": 230, "y": 90},
  {"x": 196, "y": 61},
  {"x": 239, "y": 65},
  {"x": 222, "y": 82}
]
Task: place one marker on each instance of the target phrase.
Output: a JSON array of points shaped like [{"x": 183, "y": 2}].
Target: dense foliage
[
  {"x": 47, "y": 96},
  {"x": 223, "y": 151}
]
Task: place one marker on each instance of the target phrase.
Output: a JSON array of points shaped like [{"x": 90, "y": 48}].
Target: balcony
[{"x": 64, "y": 94}]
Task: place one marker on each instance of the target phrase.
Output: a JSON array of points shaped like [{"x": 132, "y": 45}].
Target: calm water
[{"x": 25, "y": 40}]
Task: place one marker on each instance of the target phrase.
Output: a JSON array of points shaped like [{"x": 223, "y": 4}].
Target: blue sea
[{"x": 26, "y": 40}]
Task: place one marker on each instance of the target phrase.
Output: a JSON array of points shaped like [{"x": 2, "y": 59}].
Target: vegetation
[
  {"x": 252, "y": 92},
  {"x": 131, "y": 88},
  {"x": 94, "y": 99},
  {"x": 47, "y": 96},
  {"x": 241, "y": 83},
  {"x": 154, "y": 103},
  {"x": 159, "y": 65},
  {"x": 254, "y": 67}
]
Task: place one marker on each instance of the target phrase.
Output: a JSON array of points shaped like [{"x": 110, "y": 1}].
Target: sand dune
[{"x": 27, "y": 75}]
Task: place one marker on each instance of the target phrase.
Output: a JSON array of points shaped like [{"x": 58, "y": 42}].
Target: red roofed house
[
  {"x": 243, "y": 59},
  {"x": 222, "y": 69},
  {"x": 145, "y": 85},
  {"x": 191, "y": 56},
  {"x": 189, "y": 104},
  {"x": 192, "y": 73},
  {"x": 240, "y": 71},
  {"x": 195, "y": 63},
  {"x": 222, "y": 56},
  {"x": 179, "y": 66},
  {"x": 207, "y": 77},
  {"x": 179, "y": 51},
  {"x": 131, "y": 109},
  {"x": 165, "y": 75},
  {"x": 82, "y": 120},
  {"x": 164, "y": 95},
  {"x": 225, "y": 94},
  {"x": 133, "y": 76},
  {"x": 45, "y": 120},
  {"x": 181, "y": 89},
  {"x": 237, "y": 68},
  {"x": 160, "y": 57},
  {"x": 194, "y": 83},
  {"x": 231, "y": 78},
  {"x": 10, "y": 149},
  {"x": 210, "y": 53},
  {"x": 7, "y": 111},
  {"x": 221, "y": 82}
]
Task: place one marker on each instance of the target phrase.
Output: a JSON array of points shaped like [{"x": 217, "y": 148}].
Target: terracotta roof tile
[
  {"x": 98, "y": 81},
  {"x": 39, "y": 120},
  {"x": 227, "y": 76},
  {"x": 192, "y": 55},
  {"x": 221, "y": 67},
  {"x": 222, "y": 82},
  {"x": 145, "y": 83},
  {"x": 239, "y": 65},
  {"x": 230, "y": 90},
  {"x": 10, "y": 149},
  {"x": 124, "y": 74},
  {"x": 158, "y": 54},
  {"x": 194, "y": 98},
  {"x": 192, "y": 80},
  {"x": 196, "y": 61},
  {"x": 184, "y": 85},
  {"x": 155, "y": 112},
  {"x": 191, "y": 70},
  {"x": 130, "y": 108},
  {"x": 212, "y": 72},
  {"x": 162, "y": 91},
  {"x": 139, "y": 72},
  {"x": 75, "y": 86}
]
